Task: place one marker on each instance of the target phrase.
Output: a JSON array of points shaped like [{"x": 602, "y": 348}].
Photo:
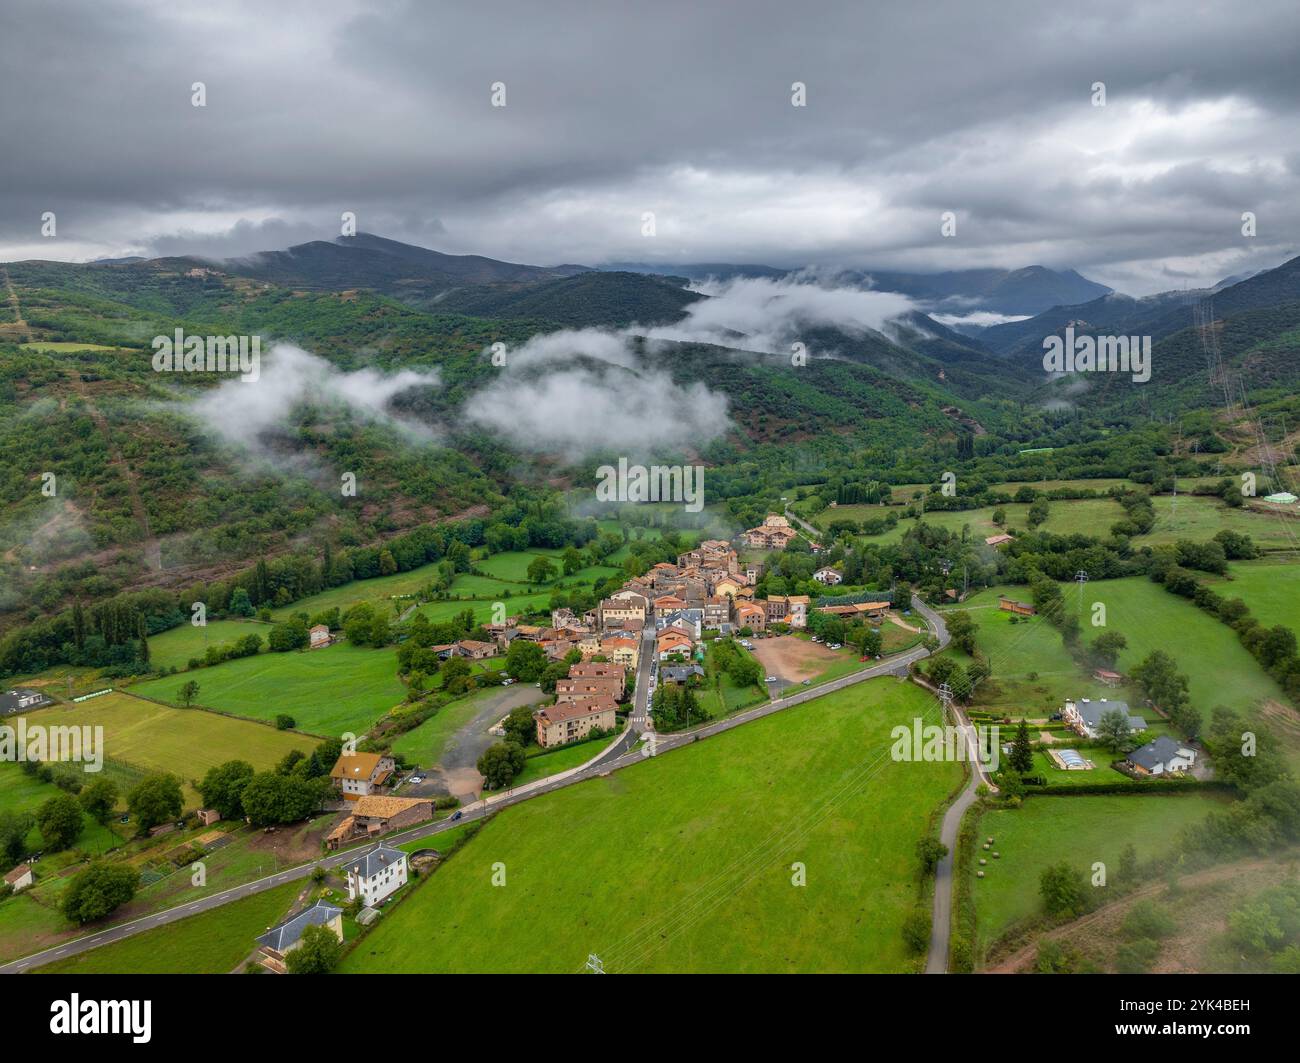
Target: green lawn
[
  {"x": 1201, "y": 517},
  {"x": 1017, "y": 651},
  {"x": 683, "y": 862},
  {"x": 20, "y": 792},
  {"x": 27, "y": 926},
  {"x": 151, "y": 737},
  {"x": 1269, "y": 588},
  {"x": 209, "y": 943},
  {"x": 442, "y": 611},
  {"x": 327, "y": 692},
  {"x": 1086, "y": 516},
  {"x": 424, "y": 745},
  {"x": 175, "y": 647},
  {"x": 1078, "y": 830},
  {"x": 512, "y": 565},
  {"x": 1217, "y": 666},
  {"x": 545, "y": 764},
  {"x": 379, "y": 592}
]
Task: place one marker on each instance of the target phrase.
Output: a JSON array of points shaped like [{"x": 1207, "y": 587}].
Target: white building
[
  {"x": 828, "y": 576},
  {"x": 376, "y": 874}
]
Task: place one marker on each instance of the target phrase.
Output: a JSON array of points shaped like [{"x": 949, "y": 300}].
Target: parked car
[
  {"x": 771, "y": 679},
  {"x": 836, "y": 646},
  {"x": 807, "y": 682}
]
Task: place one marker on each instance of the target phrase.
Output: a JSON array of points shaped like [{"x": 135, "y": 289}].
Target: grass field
[
  {"x": 1217, "y": 666},
  {"x": 58, "y": 347},
  {"x": 209, "y": 943},
  {"x": 27, "y": 926},
  {"x": 20, "y": 792},
  {"x": 1086, "y": 516},
  {"x": 424, "y": 745},
  {"x": 175, "y": 647},
  {"x": 545, "y": 764},
  {"x": 1018, "y": 651},
  {"x": 684, "y": 862},
  {"x": 1078, "y": 830},
  {"x": 327, "y": 692},
  {"x": 482, "y": 609},
  {"x": 378, "y": 592},
  {"x": 1200, "y": 517},
  {"x": 152, "y": 737},
  {"x": 1268, "y": 588}
]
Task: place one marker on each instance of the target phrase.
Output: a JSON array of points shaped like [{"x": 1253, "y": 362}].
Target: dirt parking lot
[{"x": 794, "y": 659}]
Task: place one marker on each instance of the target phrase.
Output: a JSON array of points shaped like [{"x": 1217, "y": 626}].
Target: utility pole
[
  {"x": 595, "y": 964},
  {"x": 1081, "y": 577}
]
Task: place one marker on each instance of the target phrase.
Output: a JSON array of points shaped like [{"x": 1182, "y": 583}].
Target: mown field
[
  {"x": 1085, "y": 516},
  {"x": 327, "y": 691},
  {"x": 1032, "y": 672},
  {"x": 1217, "y": 666},
  {"x": 1269, "y": 588},
  {"x": 175, "y": 647},
  {"x": 1200, "y": 517},
  {"x": 152, "y": 737},
  {"x": 212, "y": 942},
  {"x": 1078, "y": 830},
  {"x": 684, "y": 862}
]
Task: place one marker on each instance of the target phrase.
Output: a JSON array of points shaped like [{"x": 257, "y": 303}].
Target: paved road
[{"x": 622, "y": 753}]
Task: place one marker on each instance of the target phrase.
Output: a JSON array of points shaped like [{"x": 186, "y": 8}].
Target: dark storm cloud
[{"x": 679, "y": 109}]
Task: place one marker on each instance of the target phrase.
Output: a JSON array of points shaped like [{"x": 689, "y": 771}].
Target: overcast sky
[{"x": 680, "y": 109}]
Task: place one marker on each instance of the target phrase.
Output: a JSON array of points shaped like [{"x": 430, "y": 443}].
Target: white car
[
  {"x": 771, "y": 679},
  {"x": 836, "y": 646}
]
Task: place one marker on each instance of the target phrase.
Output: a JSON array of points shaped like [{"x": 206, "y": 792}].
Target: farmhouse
[
  {"x": 476, "y": 651},
  {"x": 373, "y": 816},
  {"x": 279, "y": 941},
  {"x": 20, "y": 699},
  {"x": 320, "y": 636},
  {"x": 828, "y": 576},
  {"x": 1010, "y": 605},
  {"x": 1106, "y": 676},
  {"x": 19, "y": 878},
  {"x": 376, "y": 874},
  {"x": 358, "y": 774},
  {"x": 1161, "y": 756},
  {"x": 774, "y": 533},
  {"x": 1085, "y": 716},
  {"x": 998, "y": 540},
  {"x": 559, "y": 724}
]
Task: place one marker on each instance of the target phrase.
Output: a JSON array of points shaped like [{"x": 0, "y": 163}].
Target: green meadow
[
  {"x": 1078, "y": 830},
  {"x": 175, "y": 647},
  {"x": 684, "y": 862},
  {"x": 327, "y": 691},
  {"x": 213, "y": 942}
]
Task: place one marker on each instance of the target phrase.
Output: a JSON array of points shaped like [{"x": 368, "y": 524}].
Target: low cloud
[
  {"x": 977, "y": 319},
  {"x": 767, "y": 315},
  {"x": 291, "y": 378},
  {"x": 581, "y": 391}
]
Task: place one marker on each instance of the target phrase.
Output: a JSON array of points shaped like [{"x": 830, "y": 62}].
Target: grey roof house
[
  {"x": 20, "y": 699},
  {"x": 1085, "y": 715},
  {"x": 285, "y": 937},
  {"x": 1161, "y": 756}
]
